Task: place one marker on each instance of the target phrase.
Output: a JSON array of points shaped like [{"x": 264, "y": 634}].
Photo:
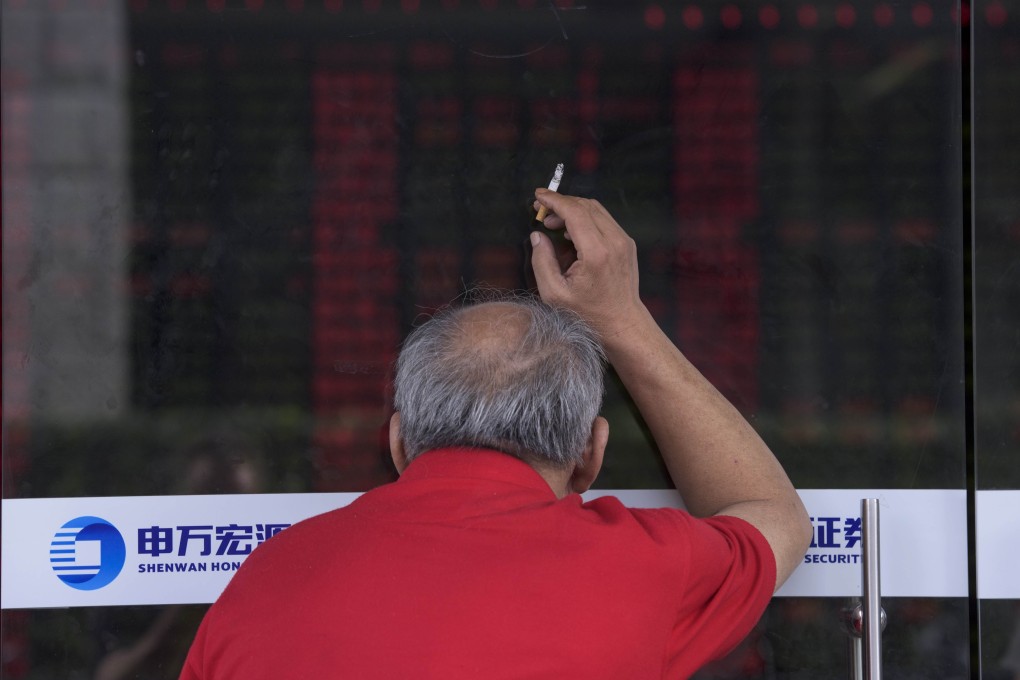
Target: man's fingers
[
  {"x": 551, "y": 220},
  {"x": 557, "y": 203},
  {"x": 585, "y": 219}
]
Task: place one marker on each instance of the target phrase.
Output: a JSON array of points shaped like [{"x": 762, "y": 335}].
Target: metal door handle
[
  {"x": 871, "y": 590},
  {"x": 866, "y": 621}
]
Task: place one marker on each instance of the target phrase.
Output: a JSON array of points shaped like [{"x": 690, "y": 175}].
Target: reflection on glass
[
  {"x": 220, "y": 218},
  {"x": 298, "y": 198}
]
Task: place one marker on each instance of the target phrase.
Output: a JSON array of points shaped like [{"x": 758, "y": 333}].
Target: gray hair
[{"x": 531, "y": 388}]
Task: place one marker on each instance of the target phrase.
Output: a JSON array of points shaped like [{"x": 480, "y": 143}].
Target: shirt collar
[{"x": 476, "y": 463}]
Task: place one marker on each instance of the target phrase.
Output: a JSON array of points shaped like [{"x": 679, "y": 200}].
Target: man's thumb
[{"x": 543, "y": 261}]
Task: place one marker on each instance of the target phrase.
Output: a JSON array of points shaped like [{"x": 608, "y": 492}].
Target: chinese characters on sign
[
  {"x": 231, "y": 539},
  {"x": 190, "y": 540},
  {"x": 833, "y": 538}
]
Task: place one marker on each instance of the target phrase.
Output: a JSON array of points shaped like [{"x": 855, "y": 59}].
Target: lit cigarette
[{"x": 553, "y": 186}]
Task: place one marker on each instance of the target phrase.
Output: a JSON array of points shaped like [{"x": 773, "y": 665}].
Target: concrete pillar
[{"x": 66, "y": 209}]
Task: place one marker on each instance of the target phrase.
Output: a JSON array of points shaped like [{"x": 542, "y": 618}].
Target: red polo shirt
[{"x": 469, "y": 567}]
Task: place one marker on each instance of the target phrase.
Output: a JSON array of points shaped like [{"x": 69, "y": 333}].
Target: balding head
[
  {"x": 489, "y": 329},
  {"x": 514, "y": 375}
]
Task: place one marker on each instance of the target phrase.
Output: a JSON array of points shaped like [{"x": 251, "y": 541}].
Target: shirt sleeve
[{"x": 730, "y": 578}]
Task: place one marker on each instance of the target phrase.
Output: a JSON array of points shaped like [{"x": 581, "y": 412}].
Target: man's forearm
[
  {"x": 706, "y": 444},
  {"x": 716, "y": 460}
]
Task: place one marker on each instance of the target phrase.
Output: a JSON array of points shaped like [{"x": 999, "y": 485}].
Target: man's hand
[{"x": 600, "y": 282}]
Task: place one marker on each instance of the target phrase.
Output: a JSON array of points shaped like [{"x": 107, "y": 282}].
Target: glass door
[
  {"x": 996, "y": 215},
  {"x": 220, "y": 217}
]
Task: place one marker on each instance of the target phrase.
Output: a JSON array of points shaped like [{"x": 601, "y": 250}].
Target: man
[{"x": 481, "y": 561}]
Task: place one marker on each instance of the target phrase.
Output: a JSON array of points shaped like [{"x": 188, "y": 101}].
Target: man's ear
[
  {"x": 584, "y": 474},
  {"x": 397, "y": 445}
]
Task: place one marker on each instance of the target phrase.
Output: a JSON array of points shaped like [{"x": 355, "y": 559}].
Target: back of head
[{"x": 515, "y": 375}]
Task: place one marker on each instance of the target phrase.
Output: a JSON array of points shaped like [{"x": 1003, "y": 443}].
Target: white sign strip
[
  {"x": 923, "y": 540},
  {"x": 147, "y": 550},
  {"x": 998, "y": 544},
  {"x": 922, "y": 543},
  {"x": 140, "y": 550}
]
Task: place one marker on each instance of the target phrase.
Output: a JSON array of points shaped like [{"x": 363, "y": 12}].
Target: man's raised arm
[{"x": 717, "y": 461}]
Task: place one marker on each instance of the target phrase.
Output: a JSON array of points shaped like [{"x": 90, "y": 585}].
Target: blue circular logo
[{"x": 87, "y": 553}]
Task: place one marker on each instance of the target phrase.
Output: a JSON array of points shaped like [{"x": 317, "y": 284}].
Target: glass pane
[
  {"x": 997, "y": 241},
  {"x": 221, "y": 217},
  {"x": 996, "y": 304}
]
